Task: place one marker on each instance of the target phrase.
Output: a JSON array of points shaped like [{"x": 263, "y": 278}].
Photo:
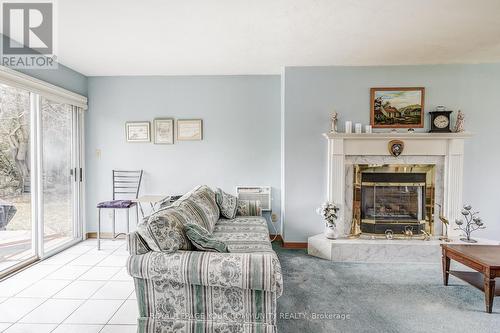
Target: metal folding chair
[{"x": 126, "y": 186}]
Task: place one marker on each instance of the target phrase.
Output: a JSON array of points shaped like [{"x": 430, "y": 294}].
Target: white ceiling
[{"x": 188, "y": 37}]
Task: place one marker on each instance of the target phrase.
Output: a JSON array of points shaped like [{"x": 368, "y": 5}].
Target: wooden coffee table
[{"x": 484, "y": 259}]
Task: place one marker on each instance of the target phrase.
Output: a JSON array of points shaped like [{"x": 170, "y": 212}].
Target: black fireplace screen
[{"x": 392, "y": 201}]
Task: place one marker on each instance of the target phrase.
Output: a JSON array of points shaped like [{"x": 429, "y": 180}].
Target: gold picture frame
[{"x": 398, "y": 107}]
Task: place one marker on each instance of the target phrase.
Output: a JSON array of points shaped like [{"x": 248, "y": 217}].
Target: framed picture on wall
[
  {"x": 163, "y": 131},
  {"x": 189, "y": 129},
  {"x": 397, "y": 107},
  {"x": 137, "y": 131}
]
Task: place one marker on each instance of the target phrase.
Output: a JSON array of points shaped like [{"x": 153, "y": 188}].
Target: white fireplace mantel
[{"x": 448, "y": 146}]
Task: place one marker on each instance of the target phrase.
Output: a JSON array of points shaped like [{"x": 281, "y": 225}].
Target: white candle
[
  {"x": 348, "y": 126},
  {"x": 368, "y": 128},
  {"x": 358, "y": 128}
]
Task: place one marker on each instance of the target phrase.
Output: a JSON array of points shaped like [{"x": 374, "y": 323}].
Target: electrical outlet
[{"x": 274, "y": 217}]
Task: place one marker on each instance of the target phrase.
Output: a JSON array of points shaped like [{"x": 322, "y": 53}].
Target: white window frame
[
  {"x": 54, "y": 93},
  {"x": 38, "y": 89}
]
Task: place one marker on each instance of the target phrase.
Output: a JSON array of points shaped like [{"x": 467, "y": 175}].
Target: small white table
[{"x": 151, "y": 199}]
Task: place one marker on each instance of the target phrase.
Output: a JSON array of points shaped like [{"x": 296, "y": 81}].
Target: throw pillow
[
  {"x": 203, "y": 240},
  {"x": 249, "y": 208},
  {"x": 227, "y": 203},
  {"x": 164, "y": 232},
  {"x": 199, "y": 206},
  {"x": 205, "y": 200}
]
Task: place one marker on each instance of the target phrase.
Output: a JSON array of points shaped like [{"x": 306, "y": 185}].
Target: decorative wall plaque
[{"x": 396, "y": 147}]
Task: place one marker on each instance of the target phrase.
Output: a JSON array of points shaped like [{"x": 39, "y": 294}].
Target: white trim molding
[
  {"x": 50, "y": 91},
  {"x": 282, "y": 157}
]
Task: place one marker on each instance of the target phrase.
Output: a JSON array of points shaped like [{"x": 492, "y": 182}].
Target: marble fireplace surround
[
  {"x": 443, "y": 150},
  {"x": 344, "y": 225}
]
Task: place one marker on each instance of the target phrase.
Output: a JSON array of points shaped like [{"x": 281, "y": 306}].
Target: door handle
[{"x": 81, "y": 175}]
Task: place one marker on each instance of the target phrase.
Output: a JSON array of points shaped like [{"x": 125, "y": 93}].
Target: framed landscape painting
[{"x": 397, "y": 107}]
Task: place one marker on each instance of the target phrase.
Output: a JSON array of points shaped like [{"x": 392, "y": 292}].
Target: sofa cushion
[
  {"x": 244, "y": 234},
  {"x": 191, "y": 213},
  {"x": 203, "y": 240},
  {"x": 248, "y": 208},
  {"x": 164, "y": 231},
  {"x": 198, "y": 206},
  {"x": 204, "y": 197},
  {"x": 227, "y": 203}
]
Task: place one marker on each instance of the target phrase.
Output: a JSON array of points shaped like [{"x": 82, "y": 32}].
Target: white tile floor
[{"x": 80, "y": 290}]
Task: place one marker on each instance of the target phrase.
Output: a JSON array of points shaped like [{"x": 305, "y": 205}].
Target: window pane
[
  {"x": 15, "y": 177},
  {"x": 57, "y": 176}
]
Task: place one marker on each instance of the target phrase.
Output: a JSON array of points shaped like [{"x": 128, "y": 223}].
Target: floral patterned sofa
[{"x": 186, "y": 290}]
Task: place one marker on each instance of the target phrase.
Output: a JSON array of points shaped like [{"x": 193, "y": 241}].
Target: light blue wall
[
  {"x": 312, "y": 92},
  {"x": 241, "y": 125},
  {"x": 242, "y": 130}
]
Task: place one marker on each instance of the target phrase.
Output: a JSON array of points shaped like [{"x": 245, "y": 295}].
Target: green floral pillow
[
  {"x": 203, "y": 240},
  {"x": 227, "y": 203},
  {"x": 164, "y": 232}
]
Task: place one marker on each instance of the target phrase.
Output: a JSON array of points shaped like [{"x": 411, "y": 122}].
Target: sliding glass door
[
  {"x": 16, "y": 176},
  {"x": 59, "y": 173},
  {"x": 40, "y": 177}
]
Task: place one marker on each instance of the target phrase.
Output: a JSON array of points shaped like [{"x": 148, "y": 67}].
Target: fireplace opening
[
  {"x": 395, "y": 198},
  {"x": 392, "y": 201}
]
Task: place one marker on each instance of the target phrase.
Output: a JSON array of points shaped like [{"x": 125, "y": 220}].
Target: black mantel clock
[{"x": 440, "y": 121}]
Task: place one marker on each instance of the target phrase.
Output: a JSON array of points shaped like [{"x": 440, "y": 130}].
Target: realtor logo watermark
[{"x": 28, "y": 29}]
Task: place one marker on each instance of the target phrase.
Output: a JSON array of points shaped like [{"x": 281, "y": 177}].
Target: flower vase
[{"x": 331, "y": 231}]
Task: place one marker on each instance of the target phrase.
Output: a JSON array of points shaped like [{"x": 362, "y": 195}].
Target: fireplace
[{"x": 393, "y": 198}]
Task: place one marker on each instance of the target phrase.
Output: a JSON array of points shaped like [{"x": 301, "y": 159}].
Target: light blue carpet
[{"x": 377, "y": 298}]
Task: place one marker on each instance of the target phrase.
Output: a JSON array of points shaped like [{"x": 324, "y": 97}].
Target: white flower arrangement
[{"x": 328, "y": 211}]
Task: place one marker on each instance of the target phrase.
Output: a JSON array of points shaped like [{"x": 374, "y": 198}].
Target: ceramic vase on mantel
[{"x": 331, "y": 231}]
